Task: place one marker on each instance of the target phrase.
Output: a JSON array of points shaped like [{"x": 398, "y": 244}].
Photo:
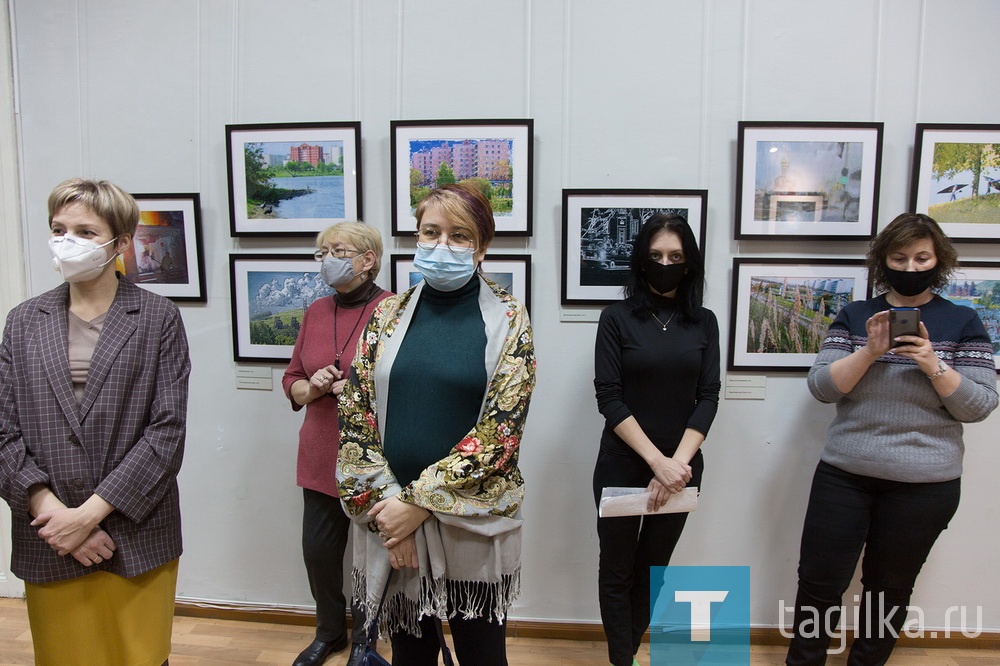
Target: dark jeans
[
  {"x": 630, "y": 545},
  {"x": 897, "y": 524},
  {"x": 324, "y": 539},
  {"x": 478, "y": 642}
]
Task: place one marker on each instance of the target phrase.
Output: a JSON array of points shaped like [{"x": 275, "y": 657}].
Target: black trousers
[
  {"x": 477, "y": 641},
  {"x": 897, "y": 524},
  {"x": 630, "y": 545},
  {"x": 324, "y": 540}
]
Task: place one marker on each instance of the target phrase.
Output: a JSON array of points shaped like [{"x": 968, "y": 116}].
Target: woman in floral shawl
[{"x": 430, "y": 425}]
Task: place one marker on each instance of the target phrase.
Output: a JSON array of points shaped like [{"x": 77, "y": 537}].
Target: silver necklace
[{"x": 660, "y": 322}]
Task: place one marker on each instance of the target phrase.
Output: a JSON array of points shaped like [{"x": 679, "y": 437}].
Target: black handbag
[{"x": 370, "y": 655}]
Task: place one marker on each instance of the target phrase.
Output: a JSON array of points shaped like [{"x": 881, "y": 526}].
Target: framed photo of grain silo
[
  {"x": 495, "y": 156},
  {"x": 782, "y": 308},
  {"x": 599, "y": 227}
]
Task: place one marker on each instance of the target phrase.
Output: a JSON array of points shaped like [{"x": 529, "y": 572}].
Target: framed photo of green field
[
  {"x": 797, "y": 180},
  {"x": 292, "y": 179},
  {"x": 976, "y": 284},
  {"x": 494, "y": 155},
  {"x": 956, "y": 179},
  {"x": 270, "y": 293},
  {"x": 782, "y": 308}
]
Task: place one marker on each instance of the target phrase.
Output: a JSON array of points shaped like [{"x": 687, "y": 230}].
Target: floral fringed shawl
[{"x": 470, "y": 547}]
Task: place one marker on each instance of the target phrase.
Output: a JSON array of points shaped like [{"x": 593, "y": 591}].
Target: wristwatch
[{"x": 942, "y": 368}]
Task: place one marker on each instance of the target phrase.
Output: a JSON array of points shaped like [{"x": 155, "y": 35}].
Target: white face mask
[
  {"x": 78, "y": 259},
  {"x": 444, "y": 269}
]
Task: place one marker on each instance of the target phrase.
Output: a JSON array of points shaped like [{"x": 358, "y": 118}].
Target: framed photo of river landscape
[
  {"x": 166, "y": 256},
  {"x": 598, "y": 227},
  {"x": 797, "y": 180},
  {"x": 956, "y": 179},
  {"x": 782, "y": 308},
  {"x": 511, "y": 271},
  {"x": 292, "y": 179},
  {"x": 494, "y": 155},
  {"x": 270, "y": 293}
]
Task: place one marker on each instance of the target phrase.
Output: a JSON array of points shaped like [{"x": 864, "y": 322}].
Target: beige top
[{"x": 83, "y": 337}]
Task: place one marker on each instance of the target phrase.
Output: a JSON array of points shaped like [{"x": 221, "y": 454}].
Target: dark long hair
[{"x": 690, "y": 292}]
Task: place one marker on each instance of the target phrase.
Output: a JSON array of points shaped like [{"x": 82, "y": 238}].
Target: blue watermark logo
[{"x": 700, "y": 616}]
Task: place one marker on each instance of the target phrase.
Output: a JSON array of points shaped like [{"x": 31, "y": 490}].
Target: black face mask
[
  {"x": 664, "y": 278},
  {"x": 910, "y": 283}
]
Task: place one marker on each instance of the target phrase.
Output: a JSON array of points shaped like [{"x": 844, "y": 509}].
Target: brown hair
[
  {"x": 104, "y": 199},
  {"x": 905, "y": 230},
  {"x": 466, "y": 207}
]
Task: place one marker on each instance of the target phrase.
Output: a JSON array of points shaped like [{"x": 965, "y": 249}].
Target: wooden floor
[{"x": 204, "y": 642}]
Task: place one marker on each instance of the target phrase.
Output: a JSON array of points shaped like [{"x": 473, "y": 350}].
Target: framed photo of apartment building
[
  {"x": 493, "y": 155},
  {"x": 797, "y": 180},
  {"x": 292, "y": 179}
]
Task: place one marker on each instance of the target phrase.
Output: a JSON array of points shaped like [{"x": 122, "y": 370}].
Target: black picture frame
[
  {"x": 598, "y": 227},
  {"x": 258, "y": 338},
  {"x": 327, "y": 197},
  {"x": 511, "y": 271},
  {"x": 945, "y": 157},
  {"x": 807, "y": 180},
  {"x": 772, "y": 296},
  {"x": 167, "y": 256},
  {"x": 472, "y": 149}
]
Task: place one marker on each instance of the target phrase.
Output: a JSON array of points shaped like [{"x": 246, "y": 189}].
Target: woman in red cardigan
[{"x": 351, "y": 255}]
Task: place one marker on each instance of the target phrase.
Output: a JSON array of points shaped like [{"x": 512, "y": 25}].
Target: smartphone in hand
[{"x": 903, "y": 321}]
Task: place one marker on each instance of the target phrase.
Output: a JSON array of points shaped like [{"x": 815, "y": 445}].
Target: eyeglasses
[
  {"x": 339, "y": 253},
  {"x": 457, "y": 242}
]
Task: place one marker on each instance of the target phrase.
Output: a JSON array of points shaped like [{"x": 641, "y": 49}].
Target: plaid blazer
[{"x": 124, "y": 440}]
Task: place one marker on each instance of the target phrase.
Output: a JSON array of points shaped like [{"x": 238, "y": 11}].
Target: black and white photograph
[{"x": 599, "y": 227}]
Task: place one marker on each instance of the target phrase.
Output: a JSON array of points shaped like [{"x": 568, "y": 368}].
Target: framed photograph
[
  {"x": 782, "y": 309},
  {"x": 270, "y": 293},
  {"x": 956, "y": 179},
  {"x": 166, "y": 256},
  {"x": 511, "y": 271},
  {"x": 807, "y": 180},
  {"x": 495, "y": 155},
  {"x": 292, "y": 179},
  {"x": 976, "y": 284},
  {"x": 598, "y": 228}
]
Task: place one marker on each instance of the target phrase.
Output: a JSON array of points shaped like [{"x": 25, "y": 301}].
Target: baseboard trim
[{"x": 570, "y": 631}]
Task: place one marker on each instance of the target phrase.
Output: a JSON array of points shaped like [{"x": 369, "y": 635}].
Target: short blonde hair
[
  {"x": 104, "y": 199},
  {"x": 358, "y": 234}
]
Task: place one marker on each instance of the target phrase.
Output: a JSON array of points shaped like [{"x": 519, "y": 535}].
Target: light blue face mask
[{"x": 442, "y": 268}]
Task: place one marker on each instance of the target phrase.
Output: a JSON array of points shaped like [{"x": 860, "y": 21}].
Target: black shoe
[
  {"x": 318, "y": 651},
  {"x": 355, "y": 657}
]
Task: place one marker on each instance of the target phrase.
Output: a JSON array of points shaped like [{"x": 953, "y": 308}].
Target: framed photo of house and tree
[{"x": 807, "y": 180}]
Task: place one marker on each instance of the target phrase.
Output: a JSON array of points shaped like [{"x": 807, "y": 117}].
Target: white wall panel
[{"x": 638, "y": 94}]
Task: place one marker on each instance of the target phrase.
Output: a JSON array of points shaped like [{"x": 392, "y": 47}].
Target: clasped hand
[
  {"x": 69, "y": 531},
  {"x": 672, "y": 475},
  {"x": 397, "y": 519}
]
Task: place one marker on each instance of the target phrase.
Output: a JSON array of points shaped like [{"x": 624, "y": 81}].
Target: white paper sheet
[{"x": 633, "y": 502}]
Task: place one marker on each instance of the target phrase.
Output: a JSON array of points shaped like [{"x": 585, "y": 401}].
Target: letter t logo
[{"x": 701, "y": 610}]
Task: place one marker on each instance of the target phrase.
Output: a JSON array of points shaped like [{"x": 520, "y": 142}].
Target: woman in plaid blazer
[{"x": 93, "y": 404}]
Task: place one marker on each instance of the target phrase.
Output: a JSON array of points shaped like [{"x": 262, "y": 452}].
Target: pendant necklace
[
  {"x": 336, "y": 345},
  {"x": 660, "y": 322}
]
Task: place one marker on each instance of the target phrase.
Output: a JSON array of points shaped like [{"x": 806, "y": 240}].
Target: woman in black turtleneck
[{"x": 657, "y": 384}]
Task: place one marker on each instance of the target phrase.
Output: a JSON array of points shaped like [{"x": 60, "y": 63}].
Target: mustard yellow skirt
[{"x": 103, "y": 619}]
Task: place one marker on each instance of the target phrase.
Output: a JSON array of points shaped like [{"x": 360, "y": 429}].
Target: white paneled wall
[{"x": 642, "y": 93}]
